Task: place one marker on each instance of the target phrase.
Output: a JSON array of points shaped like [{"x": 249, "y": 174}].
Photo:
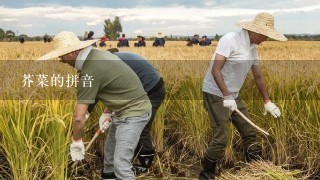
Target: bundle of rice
[{"x": 261, "y": 170}]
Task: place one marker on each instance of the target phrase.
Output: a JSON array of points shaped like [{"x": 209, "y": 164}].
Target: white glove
[
  {"x": 87, "y": 115},
  {"x": 272, "y": 109},
  {"x": 77, "y": 150},
  {"x": 105, "y": 121},
  {"x": 229, "y": 102}
]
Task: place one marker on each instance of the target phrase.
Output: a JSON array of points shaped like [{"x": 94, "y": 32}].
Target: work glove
[
  {"x": 272, "y": 109},
  {"x": 86, "y": 116},
  {"x": 77, "y": 150},
  {"x": 229, "y": 102},
  {"x": 105, "y": 121}
]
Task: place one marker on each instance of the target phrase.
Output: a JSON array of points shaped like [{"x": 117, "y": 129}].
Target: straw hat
[
  {"x": 159, "y": 35},
  {"x": 64, "y": 43},
  {"x": 263, "y": 23}
]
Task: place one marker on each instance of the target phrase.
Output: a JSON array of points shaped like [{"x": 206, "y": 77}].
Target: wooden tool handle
[{"x": 250, "y": 122}]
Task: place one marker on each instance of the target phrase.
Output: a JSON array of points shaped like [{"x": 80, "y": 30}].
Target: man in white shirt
[{"x": 235, "y": 55}]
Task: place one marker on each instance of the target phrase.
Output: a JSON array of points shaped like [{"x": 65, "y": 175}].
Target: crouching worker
[
  {"x": 159, "y": 41},
  {"x": 235, "y": 55},
  {"x": 154, "y": 86},
  {"x": 123, "y": 41},
  {"x": 205, "y": 41},
  {"x": 141, "y": 42},
  {"x": 118, "y": 87}
]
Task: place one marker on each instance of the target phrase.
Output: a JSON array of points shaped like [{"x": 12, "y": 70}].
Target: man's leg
[
  {"x": 127, "y": 137},
  {"x": 145, "y": 149},
  {"x": 252, "y": 149},
  {"x": 219, "y": 116},
  {"x": 109, "y": 147}
]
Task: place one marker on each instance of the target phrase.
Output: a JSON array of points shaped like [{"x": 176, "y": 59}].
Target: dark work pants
[
  {"x": 145, "y": 146},
  {"x": 221, "y": 117}
]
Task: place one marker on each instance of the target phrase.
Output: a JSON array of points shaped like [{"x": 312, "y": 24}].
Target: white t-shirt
[{"x": 241, "y": 56}]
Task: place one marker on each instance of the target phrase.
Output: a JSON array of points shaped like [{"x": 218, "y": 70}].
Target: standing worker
[{"x": 235, "y": 55}]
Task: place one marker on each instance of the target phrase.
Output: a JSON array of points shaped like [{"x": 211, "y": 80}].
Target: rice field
[{"x": 35, "y": 123}]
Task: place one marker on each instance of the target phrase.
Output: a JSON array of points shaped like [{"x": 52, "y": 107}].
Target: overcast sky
[{"x": 184, "y": 17}]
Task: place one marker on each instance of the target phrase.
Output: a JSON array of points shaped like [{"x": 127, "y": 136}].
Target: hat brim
[
  {"x": 63, "y": 51},
  {"x": 159, "y": 35},
  {"x": 270, "y": 32}
]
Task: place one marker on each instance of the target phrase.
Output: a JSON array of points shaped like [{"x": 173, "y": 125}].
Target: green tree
[
  {"x": 112, "y": 28},
  {"x": 109, "y": 29},
  {"x": 117, "y": 26},
  {"x": 10, "y": 35},
  {"x": 1, "y": 34},
  {"x": 217, "y": 37},
  {"x": 113, "y": 33},
  {"x": 106, "y": 27}
]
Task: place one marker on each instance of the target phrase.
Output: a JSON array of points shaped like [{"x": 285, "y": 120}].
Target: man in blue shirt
[{"x": 153, "y": 84}]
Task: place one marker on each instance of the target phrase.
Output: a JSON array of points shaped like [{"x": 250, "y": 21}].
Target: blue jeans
[{"x": 120, "y": 145}]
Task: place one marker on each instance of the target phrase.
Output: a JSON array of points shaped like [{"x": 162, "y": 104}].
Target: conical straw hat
[
  {"x": 64, "y": 43},
  {"x": 159, "y": 35},
  {"x": 263, "y": 23}
]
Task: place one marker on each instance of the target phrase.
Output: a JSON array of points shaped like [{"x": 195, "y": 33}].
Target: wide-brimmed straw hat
[
  {"x": 64, "y": 43},
  {"x": 263, "y": 23},
  {"x": 159, "y": 35}
]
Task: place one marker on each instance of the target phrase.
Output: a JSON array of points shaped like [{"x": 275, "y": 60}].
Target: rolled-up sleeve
[{"x": 87, "y": 88}]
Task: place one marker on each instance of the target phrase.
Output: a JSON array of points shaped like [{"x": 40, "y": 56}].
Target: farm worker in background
[
  {"x": 159, "y": 41},
  {"x": 189, "y": 42},
  {"x": 123, "y": 41},
  {"x": 195, "y": 39},
  {"x": 205, "y": 41},
  {"x": 235, "y": 55},
  {"x": 141, "y": 42},
  {"x": 103, "y": 41},
  {"x": 90, "y": 37},
  {"x": 85, "y": 35},
  {"x": 118, "y": 87},
  {"x": 154, "y": 86}
]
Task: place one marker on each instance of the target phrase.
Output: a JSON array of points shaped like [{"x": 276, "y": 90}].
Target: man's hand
[
  {"x": 229, "y": 102},
  {"x": 77, "y": 150},
  {"x": 105, "y": 121},
  {"x": 272, "y": 109}
]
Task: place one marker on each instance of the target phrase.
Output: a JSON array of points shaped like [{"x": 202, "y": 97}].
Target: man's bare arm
[
  {"x": 217, "y": 75},
  {"x": 78, "y": 120}
]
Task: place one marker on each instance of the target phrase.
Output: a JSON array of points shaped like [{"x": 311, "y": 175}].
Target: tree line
[{"x": 6, "y": 35}]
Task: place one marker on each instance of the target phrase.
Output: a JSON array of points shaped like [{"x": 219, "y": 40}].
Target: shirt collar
[
  {"x": 82, "y": 56},
  {"x": 244, "y": 34}
]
